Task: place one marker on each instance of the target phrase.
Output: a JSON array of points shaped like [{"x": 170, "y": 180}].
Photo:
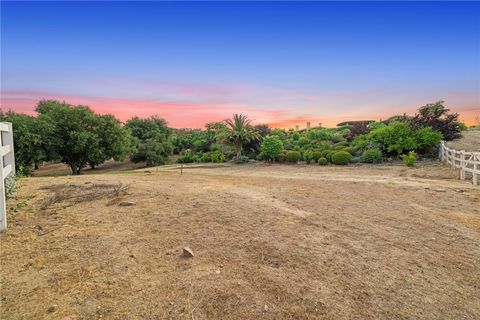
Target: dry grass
[
  {"x": 270, "y": 242},
  {"x": 71, "y": 194},
  {"x": 469, "y": 142}
]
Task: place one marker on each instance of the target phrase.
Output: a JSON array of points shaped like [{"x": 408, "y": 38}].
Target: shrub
[
  {"x": 206, "y": 157},
  {"x": 329, "y": 154},
  {"x": 349, "y": 150},
  {"x": 322, "y": 161},
  {"x": 217, "y": 156},
  {"x": 409, "y": 159},
  {"x": 339, "y": 145},
  {"x": 397, "y": 138},
  {"x": 282, "y": 157},
  {"x": 372, "y": 155},
  {"x": 293, "y": 156},
  {"x": 271, "y": 147},
  {"x": 341, "y": 157},
  {"x": 10, "y": 186},
  {"x": 427, "y": 139},
  {"x": 308, "y": 156},
  {"x": 316, "y": 155},
  {"x": 356, "y": 160},
  {"x": 187, "y": 157},
  {"x": 241, "y": 159}
]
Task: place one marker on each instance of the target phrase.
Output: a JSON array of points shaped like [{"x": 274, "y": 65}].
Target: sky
[{"x": 280, "y": 63}]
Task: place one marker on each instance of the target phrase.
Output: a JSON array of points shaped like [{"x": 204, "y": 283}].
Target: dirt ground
[
  {"x": 61, "y": 169},
  {"x": 269, "y": 242}
]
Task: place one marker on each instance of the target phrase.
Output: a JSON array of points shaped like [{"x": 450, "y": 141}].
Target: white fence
[
  {"x": 7, "y": 167},
  {"x": 467, "y": 162}
]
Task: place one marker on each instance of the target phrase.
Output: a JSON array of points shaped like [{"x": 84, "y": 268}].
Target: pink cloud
[
  {"x": 195, "y": 114},
  {"x": 178, "y": 114}
]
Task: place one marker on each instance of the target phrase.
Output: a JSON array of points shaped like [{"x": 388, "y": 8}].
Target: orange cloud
[{"x": 181, "y": 114}]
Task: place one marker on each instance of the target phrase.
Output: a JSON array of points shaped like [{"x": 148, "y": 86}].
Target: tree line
[{"x": 78, "y": 137}]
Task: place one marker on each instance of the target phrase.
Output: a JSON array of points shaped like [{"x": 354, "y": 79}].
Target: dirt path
[{"x": 270, "y": 242}]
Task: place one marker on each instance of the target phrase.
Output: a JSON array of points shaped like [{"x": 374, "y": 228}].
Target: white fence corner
[{"x": 467, "y": 162}]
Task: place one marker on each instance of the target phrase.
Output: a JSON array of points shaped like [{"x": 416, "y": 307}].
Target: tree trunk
[
  {"x": 74, "y": 171},
  {"x": 92, "y": 166},
  {"x": 36, "y": 166},
  {"x": 239, "y": 150}
]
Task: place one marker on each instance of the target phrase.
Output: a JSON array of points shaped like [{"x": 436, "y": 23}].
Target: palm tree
[{"x": 239, "y": 131}]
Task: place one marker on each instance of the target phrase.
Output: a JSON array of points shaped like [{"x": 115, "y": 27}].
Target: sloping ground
[
  {"x": 270, "y": 242},
  {"x": 469, "y": 142}
]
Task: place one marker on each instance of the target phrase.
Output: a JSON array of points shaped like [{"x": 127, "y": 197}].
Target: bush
[
  {"x": 241, "y": 159},
  {"x": 217, "y": 156},
  {"x": 349, "y": 150},
  {"x": 316, "y": 155},
  {"x": 341, "y": 157},
  {"x": 329, "y": 154},
  {"x": 308, "y": 156},
  {"x": 339, "y": 145},
  {"x": 187, "y": 157},
  {"x": 356, "y": 160},
  {"x": 372, "y": 155},
  {"x": 409, "y": 159},
  {"x": 322, "y": 161},
  {"x": 282, "y": 157},
  {"x": 271, "y": 147},
  {"x": 293, "y": 156}
]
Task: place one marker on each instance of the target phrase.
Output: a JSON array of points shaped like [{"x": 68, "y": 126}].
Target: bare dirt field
[{"x": 269, "y": 242}]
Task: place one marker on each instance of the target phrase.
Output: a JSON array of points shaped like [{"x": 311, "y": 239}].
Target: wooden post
[
  {"x": 181, "y": 169},
  {"x": 454, "y": 153},
  {"x": 475, "y": 174},
  {"x": 462, "y": 165}
]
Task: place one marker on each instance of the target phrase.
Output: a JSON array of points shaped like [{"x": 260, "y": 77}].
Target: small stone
[
  {"x": 265, "y": 308},
  {"x": 217, "y": 271},
  {"x": 52, "y": 309},
  {"x": 127, "y": 204},
  {"x": 187, "y": 252},
  {"x": 440, "y": 190},
  {"x": 460, "y": 190}
]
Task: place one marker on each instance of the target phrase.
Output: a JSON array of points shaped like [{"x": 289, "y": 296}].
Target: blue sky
[{"x": 283, "y": 63}]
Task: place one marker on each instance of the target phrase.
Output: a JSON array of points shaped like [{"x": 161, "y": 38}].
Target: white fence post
[
  {"x": 7, "y": 167},
  {"x": 462, "y": 165},
  {"x": 475, "y": 174}
]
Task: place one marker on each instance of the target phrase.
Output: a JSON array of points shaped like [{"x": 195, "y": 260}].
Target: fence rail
[
  {"x": 7, "y": 167},
  {"x": 467, "y": 162}
]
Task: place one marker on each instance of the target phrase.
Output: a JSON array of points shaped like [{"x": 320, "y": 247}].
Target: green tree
[
  {"x": 80, "y": 137},
  {"x": 31, "y": 140},
  {"x": 437, "y": 116},
  {"x": 154, "y": 151},
  {"x": 271, "y": 147},
  {"x": 74, "y": 139},
  {"x": 115, "y": 142},
  {"x": 238, "y": 131},
  {"x": 152, "y": 136}
]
